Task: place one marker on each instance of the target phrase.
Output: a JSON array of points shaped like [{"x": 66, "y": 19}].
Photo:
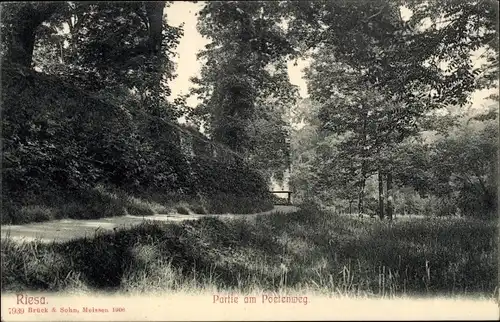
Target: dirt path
[{"x": 67, "y": 229}]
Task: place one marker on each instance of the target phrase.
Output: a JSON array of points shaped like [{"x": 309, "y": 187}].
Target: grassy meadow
[{"x": 307, "y": 251}]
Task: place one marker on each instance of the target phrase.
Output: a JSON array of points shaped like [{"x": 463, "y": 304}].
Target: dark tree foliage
[
  {"x": 244, "y": 79},
  {"x": 19, "y": 25},
  {"x": 378, "y": 74},
  {"x": 84, "y": 97},
  {"x": 401, "y": 56}
]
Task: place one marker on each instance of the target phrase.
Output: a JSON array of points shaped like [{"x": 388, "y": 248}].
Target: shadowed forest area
[
  {"x": 88, "y": 130},
  {"x": 392, "y": 154}
]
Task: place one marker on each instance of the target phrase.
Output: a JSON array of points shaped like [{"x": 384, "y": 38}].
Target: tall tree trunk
[
  {"x": 154, "y": 10},
  {"x": 390, "y": 206},
  {"x": 380, "y": 195},
  {"x": 363, "y": 168},
  {"x": 361, "y": 197},
  {"x": 23, "y": 32}
]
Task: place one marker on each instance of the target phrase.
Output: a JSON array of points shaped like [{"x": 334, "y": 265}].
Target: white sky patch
[
  {"x": 296, "y": 75},
  {"x": 65, "y": 28},
  {"x": 406, "y": 13},
  {"x": 190, "y": 44}
]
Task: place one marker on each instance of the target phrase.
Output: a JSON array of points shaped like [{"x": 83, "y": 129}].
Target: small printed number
[{"x": 16, "y": 310}]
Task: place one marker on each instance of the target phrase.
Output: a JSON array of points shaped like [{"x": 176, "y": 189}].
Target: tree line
[{"x": 376, "y": 78}]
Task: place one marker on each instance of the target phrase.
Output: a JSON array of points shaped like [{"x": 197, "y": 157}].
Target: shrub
[
  {"x": 182, "y": 210},
  {"x": 37, "y": 213},
  {"x": 137, "y": 209}
]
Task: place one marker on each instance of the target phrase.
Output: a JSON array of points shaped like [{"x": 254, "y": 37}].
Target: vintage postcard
[{"x": 249, "y": 160}]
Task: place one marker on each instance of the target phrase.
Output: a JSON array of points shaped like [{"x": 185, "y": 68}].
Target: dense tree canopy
[{"x": 383, "y": 78}]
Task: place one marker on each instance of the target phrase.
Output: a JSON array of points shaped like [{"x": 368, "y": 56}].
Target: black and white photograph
[{"x": 249, "y": 160}]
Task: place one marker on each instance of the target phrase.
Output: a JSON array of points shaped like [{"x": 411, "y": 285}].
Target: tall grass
[{"x": 309, "y": 250}]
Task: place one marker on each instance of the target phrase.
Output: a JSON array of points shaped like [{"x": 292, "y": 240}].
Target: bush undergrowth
[
  {"x": 61, "y": 145},
  {"x": 101, "y": 202}
]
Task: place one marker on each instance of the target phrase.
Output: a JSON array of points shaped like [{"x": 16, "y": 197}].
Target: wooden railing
[{"x": 289, "y": 195}]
